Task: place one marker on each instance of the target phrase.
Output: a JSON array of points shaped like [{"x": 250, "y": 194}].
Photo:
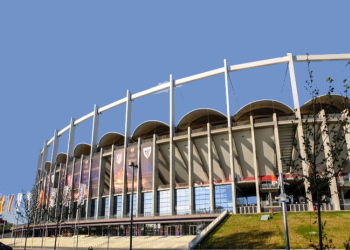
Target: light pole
[
  {"x": 133, "y": 166},
  {"x": 283, "y": 198}
]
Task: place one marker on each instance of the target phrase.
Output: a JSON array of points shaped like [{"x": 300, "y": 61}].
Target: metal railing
[
  {"x": 297, "y": 207},
  {"x": 234, "y": 124},
  {"x": 197, "y": 130},
  {"x": 219, "y": 126},
  {"x": 268, "y": 185},
  {"x": 263, "y": 120},
  {"x": 193, "y": 243},
  {"x": 249, "y": 209},
  {"x": 285, "y": 118}
]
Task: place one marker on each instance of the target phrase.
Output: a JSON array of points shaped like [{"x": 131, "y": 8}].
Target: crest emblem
[
  {"x": 118, "y": 158},
  {"x": 147, "y": 151}
]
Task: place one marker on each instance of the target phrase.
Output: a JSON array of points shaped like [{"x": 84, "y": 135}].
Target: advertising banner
[
  {"x": 69, "y": 175},
  {"x": 131, "y": 156},
  {"x": 146, "y": 167},
  {"x": 9, "y": 206},
  {"x": 95, "y": 174},
  {"x": 85, "y": 174},
  {"x": 118, "y": 171},
  {"x": 62, "y": 176},
  {"x": 76, "y": 179}
]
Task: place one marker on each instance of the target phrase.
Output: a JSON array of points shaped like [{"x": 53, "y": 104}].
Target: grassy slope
[{"x": 248, "y": 231}]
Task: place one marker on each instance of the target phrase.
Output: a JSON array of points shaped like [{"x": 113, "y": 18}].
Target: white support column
[
  {"x": 230, "y": 138},
  {"x": 210, "y": 168},
  {"x": 277, "y": 144},
  {"x": 128, "y": 109},
  {"x": 326, "y": 142},
  {"x": 100, "y": 185},
  {"x": 94, "y": 138},
  {"x": 300, "y": 125},
  {"x": 256, "y": 166},
  {"x": 71, "y": 141},
  {"x": 190, "y": 170},
  {"x": 138, "y": 179},
  {"x": 172, "y": 146},
  {"x": 54, "y": 150},
  {"x": 155, "y": 176},
  {"x": 111, "y": 186}
]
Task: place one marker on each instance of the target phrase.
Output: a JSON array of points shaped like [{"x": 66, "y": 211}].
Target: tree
[
  {"x": 322, "y": 151},
  {"x": 30, "y": 209},
  {"x": 60, "y": 207}
]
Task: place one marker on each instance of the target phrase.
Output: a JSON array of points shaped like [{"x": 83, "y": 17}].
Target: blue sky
[{"x": 59, "y": 58}]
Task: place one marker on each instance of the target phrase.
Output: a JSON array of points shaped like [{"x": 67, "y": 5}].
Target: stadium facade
[{"x": 185, "y": 173}]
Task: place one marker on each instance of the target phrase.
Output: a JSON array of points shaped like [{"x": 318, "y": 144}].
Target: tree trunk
[{"x": 319, "y": 226}]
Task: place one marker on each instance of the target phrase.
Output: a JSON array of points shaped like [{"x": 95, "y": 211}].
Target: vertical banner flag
[
  {"x": 95, "y": 174},
  {"x": 118, "y": 171},
  {"x": 146, "y": 167},
  {"x": 66, "y": 196},
  {"x": 18, "y": 201},
  {"x": 2, "y": 204},
  {"x": 62, "y": 176},
  {"x": 131, "y": 157},
  {"x": 81, "y": 194},
  {"x": 85, "y": 174},
  {"x": 53, "y": 195},
  {"x": 47, "y": 188},
  {"x": 41, "y": 198},
  {"x": 76, "y": 179},
  {"x": 29, "y": 198},
  {"x": 9, "y": 206},
  {"x": 69, "y": 175}
]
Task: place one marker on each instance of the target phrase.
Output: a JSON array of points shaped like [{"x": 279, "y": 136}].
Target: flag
[
  {"x": 41, "y": 198},
  {"x": 81, "y": 194},
  {"x": 53, "y": 195},
  {"x": 9, "y": 206},
  {"x": 2, "y": 204},
  {"x": 19, "y": 200},
  {"x": 29, "y": 198},
  {"x": 66, "y": 196}
]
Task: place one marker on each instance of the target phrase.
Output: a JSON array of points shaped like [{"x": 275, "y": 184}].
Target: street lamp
[
  {"x": 133, "y": 166},
  {"x": 283, "y": 197}
]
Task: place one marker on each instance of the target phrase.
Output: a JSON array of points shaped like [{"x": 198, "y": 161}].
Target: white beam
[{"x": 321, "y": 58}]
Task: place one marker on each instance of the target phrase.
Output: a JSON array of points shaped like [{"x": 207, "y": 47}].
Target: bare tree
[
  {"x": 322, "y": 153},
  {"x": 30, "y": 209}
]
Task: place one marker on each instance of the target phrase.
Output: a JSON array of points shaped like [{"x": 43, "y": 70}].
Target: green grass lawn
[{"x": 248, "y": 231}]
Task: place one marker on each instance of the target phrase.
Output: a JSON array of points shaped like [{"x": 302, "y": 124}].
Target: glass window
[
  {"x": 117, "y": 208},
  {"x": 202, "y": 199},
  {"x": 181, "y": 201},
  {"x": 128, "y": 204},
  {"x": 164, "y": 202},
  {"x": 105, "y": 207},
  {"x": 146, "y": 204},
  {"x": 223, "y": 197}
]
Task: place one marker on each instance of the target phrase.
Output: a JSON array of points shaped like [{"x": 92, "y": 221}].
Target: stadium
[{"x": 179, "y": 178}]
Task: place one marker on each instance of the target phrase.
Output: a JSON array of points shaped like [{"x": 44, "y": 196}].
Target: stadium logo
[
  {"x": 118, "y": 158},
  {"x": 147, "y": 152}
]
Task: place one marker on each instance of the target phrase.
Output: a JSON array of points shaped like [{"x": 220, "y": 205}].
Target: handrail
[{"x": 193, "y": 243}]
